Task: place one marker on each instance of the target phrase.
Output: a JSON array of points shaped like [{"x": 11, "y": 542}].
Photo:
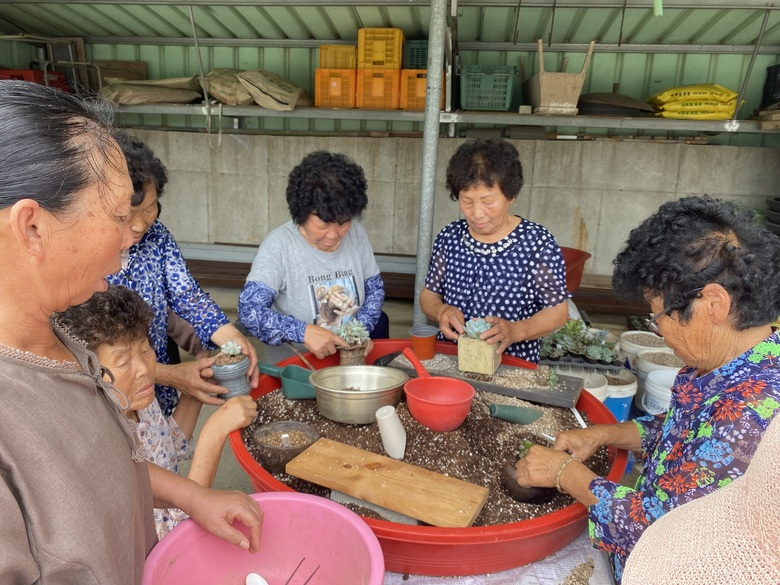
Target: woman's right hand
[
  {"x": 322, "y": 342},
  {"x": 192, "y": 378},
  {"x": 451, "y": 322}
]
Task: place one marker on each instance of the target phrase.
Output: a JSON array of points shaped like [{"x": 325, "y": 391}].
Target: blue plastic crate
[{"x": 486, "y": 87}]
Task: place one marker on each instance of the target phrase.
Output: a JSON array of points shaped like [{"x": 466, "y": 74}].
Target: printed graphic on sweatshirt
[{"x": 334, "y": 301}]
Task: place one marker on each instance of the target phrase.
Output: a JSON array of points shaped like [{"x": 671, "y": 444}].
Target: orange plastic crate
[
  {"x": 378, "y": 89},
  {"x": 380, "y": 48},
  {"x": 338, "y": 56},
  {"x": 413, "y": 86},
  {"x": 334, "y": 88}
]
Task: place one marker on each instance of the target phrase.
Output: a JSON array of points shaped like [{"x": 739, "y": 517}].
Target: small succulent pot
[
  {"x": 356, "y": 335},
  {"x": 529, "y": 495},
  {"x": 352, "y": 356},
  {"x": 230, "y": 368},
  {"x": 233, "y": 377}
]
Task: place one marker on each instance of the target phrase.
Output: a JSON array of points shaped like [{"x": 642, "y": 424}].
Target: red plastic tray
[{"x": 429, "y": 550}]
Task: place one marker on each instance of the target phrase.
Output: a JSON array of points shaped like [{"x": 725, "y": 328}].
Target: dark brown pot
[{"x": 529, "y": 495}]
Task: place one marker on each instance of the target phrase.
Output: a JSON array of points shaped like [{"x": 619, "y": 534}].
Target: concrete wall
[{"x": 588, "y": 194}]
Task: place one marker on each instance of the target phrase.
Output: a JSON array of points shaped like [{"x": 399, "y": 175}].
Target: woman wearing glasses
[{"x": 707, "y": 270}]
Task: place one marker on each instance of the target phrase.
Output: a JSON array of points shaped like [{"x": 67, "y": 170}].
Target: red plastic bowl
[
  {"x": 439, "y": 403},
  {"x": 430, "y": 550}
]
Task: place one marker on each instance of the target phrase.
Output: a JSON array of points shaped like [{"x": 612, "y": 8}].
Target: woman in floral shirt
[
  {"x": 156, "y": 270},
  {"x": 707, "y": 270}
]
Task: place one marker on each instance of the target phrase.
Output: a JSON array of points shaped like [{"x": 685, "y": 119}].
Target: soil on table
[{"x": 474, "y": 453}]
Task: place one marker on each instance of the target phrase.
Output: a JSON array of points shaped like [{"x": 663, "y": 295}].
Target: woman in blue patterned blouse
[
  {"x": 157, "y": 271},
  {"x": 493, "y": 264},
  {"x": 707, "y": 270}
]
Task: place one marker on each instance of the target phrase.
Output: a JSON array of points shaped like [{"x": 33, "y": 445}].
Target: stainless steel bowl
[{"x": 370, "y": 387}]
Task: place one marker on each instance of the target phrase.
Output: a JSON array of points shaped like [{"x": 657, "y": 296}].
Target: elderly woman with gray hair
[
  {"x": 707, "y": 270},
  {"x": 76, "y": 495}
]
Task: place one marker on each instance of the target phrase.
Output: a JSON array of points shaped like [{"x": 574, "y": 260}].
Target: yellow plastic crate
[
  {"x": 414, "y": 83},
  {"x": 380, "y": 48},
  {"x": 334, "y": 88},
  {"x": 378, "y": 89},
  {"x": 338, "y": 56}
]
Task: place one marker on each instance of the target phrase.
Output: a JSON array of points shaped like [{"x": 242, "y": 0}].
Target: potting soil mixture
[{"x": 474, "y": 453}]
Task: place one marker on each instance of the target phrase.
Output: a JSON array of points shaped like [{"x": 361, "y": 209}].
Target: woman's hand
[
  {"x": 191, "y": 378},
  {"x": 539, "y": 466},
  {"x": 503, "y": 332},
  {"x": 322, "y": 342},
  {"x": 449, "y": 318},
  {"x": 229, "y": 333},
  {"x": 217, "y": 510},
  {"x": 582, "y": 443},
  {"x": 234, "y": 414},
  {"x": 451, "y": 322}
]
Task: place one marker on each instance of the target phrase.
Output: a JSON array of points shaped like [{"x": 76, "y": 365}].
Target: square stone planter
[{"x": 477, "y": 356}]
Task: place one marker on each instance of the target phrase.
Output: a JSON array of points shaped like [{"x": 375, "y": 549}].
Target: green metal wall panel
[{"x": 16, "y": 55}]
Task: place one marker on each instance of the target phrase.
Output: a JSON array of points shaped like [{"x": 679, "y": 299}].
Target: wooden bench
[{"x": 228, "y": 266}]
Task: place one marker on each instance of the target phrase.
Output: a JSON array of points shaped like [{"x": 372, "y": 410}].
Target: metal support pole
[{"x": 436, "y": 34}]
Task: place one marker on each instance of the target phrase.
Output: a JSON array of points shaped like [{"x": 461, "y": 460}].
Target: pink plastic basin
[
  {"x": 295, "y": 526},
  {"x": 430, "y": 550}
]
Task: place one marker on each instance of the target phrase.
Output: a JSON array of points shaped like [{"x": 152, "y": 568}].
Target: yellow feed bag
[
  {"x": 695, "y": 115},
  {"x": 700, "y": 91},
  {"x": 699, "y": 106}
]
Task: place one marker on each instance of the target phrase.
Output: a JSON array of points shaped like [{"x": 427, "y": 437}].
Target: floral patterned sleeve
[
  {"x": 269, "y": 326},
  {"x": 371, "y": 308},
  {"x": 186, "y": 297}
]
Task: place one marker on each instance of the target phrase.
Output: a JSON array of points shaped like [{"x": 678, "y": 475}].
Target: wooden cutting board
[{"x": 425, "y": 495}]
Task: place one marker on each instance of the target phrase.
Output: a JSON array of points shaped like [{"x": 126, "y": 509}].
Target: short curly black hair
[
  {"x": 694, "y": 241},
  {"x": 328, "y": 185},
  {"x": 488, "y": 162},
  {"x": 143, "y": 166},
  {"x": 113, "y": 316}
]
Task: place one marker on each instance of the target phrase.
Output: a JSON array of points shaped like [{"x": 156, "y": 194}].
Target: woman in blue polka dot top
[{"x": 493, "y": 264}]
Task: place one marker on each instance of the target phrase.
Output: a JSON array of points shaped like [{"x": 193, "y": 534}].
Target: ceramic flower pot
[
  {"x": 352, "y": 356},
  {"x": 233, "y": 377}
]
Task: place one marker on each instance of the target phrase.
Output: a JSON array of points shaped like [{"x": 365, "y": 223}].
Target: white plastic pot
[{"x": 644, "y": 367}]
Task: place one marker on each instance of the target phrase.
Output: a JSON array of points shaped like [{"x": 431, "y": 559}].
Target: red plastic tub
[
  {"x": 430, "y": 550},
  {"x": 575, "y": 265}
]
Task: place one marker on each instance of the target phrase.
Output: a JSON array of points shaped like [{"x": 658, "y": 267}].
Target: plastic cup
[
  {"x": 424, "y": 341},
  {"x": 392, "y": 432}
]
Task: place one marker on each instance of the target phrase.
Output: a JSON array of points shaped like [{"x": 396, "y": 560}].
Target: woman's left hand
[
  {"x": 539, "y": 466},
  {"x": 229, "y": 333},
  {"x": 503, "y": 332}
]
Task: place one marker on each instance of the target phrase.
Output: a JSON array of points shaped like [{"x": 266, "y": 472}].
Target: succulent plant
[
  {"x": 354, "y": 332},
  {"x": 230, "y": 348},
  {"x": 475, "y": 327}
]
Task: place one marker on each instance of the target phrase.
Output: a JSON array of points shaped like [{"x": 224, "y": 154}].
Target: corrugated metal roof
[{"x": 733, "y": 25}]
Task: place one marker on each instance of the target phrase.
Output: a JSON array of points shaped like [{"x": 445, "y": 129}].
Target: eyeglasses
[{"x": 650, "y": 322}]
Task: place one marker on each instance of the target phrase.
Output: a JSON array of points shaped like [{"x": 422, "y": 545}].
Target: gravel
[
  {"x": 644, "y": 339},
  {"x": 474, "y": 453}
]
